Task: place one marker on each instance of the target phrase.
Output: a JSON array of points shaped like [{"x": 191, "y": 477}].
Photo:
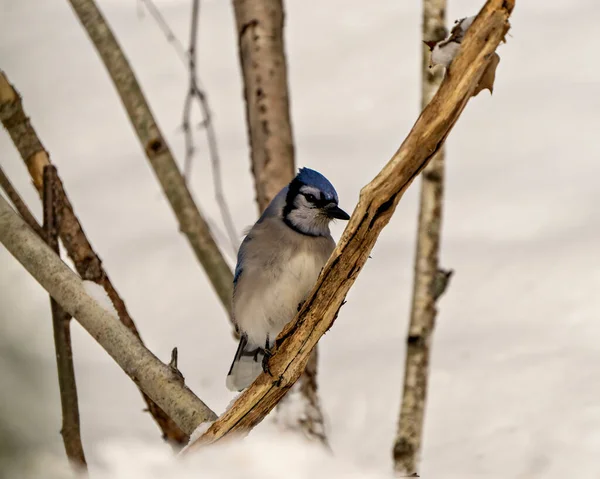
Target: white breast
[{"x": 270, "y": 297}]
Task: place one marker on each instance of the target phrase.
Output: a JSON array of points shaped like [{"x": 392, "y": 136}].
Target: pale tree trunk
[
  {"x": 262, "y": 57},
  {"x": 264, "y": 70},
  {"x": 408, "y": 440},
  {"x": 377, "y": 203}
]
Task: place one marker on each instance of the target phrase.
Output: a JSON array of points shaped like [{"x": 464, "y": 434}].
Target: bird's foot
[{"x": 267, "y": 353}]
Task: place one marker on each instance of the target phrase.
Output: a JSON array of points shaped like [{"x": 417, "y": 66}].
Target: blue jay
[{"x": 278, "y": 264}]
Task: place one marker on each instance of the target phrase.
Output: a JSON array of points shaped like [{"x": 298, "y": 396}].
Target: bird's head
[{"x": 311, "y": 204}]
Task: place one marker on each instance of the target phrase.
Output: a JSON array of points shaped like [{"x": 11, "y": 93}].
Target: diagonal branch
[
  {"x": 191, "y": 221},
  {"x": 377, "y": 203},
  {"x": 61, "y": 324},
  {"x": 158, "y": 380},
  {"x": 79, "y": 249}
]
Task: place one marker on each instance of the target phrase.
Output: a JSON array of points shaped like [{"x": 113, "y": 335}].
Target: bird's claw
[{"x": 265, "y": 361}]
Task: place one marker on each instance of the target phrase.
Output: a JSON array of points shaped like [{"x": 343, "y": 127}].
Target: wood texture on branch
[
  {"x": 377, "y": 203},
  {"x": 19, "y": 204},
  {"x": 264, "y": 70},
  {"x": 407, "y": 444},
  {"x": 160, "y": 382},
  {"x": 191, "y": 221},
  {"x": 86, "y": 261},
  {"x": 260, "y": 27},
  {"x": 61, "y": 326}
]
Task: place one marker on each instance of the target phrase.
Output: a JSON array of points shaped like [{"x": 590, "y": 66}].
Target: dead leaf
[{"x": 487, "y": 79}]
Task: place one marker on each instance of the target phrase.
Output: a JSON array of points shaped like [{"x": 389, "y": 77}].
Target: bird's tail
[{"x": 246, "y": 366}]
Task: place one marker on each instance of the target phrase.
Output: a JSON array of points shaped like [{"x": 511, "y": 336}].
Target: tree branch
[
  {"x": 211, "y": 135},
  {"x": 79, "y": 249},
  {"x": 191, "y": 222},
  {"x": 19, "y": 204},
  {"x": 264, "y": 71},
  {"x": 155, "y": 378},
  {"x": 61, "y": 323},
  {"x": 377, "y": 203},
  {"x": 408, "y": 440},
  {"x": 166, "y": 29},
  {"x": 196, "y": 92}
]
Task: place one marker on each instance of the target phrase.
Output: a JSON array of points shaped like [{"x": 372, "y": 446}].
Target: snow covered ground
[{"x": 515, "y": 390}]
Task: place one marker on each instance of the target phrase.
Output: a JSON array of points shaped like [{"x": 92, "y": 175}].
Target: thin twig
[
  {"x": 61, "y": 324},
  {"x": 196, "y": 92},
  {"x": 19, "y": 204},
  {"x": 150, "y": 374},
  {"x": 78, "y": 247},
  {"x": 377, "y": 203},
  {"x": 166, "y": 29},
  {"x": 191, "y": 221},
  {"x": 428, "y": 283}
]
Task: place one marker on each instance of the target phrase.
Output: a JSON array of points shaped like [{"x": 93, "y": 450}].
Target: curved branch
[{"x": 377, "y": 203}]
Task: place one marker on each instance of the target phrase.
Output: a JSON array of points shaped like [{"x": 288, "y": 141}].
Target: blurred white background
[{"x": 515, "y": 389}]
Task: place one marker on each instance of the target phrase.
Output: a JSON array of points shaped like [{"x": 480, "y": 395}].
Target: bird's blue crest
[{"x": 314, "y": 178}]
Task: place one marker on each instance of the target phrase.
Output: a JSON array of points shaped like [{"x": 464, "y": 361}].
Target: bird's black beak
[{"x": 334, "y": 211}]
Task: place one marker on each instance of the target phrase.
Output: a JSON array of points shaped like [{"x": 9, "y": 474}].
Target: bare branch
[
  {"x": 407, "y": 444},
  {"x": 191, "y": 222},
  {"x": 79, "y": 249},
  {"x": 166, "y": 29},
  {"x": 20, "y": 205},
  {"x": 264, "y": 71},
  {"x": 378, "y": 201},
  {"x": 61, "y": 323},
  {"x": 196, "y": 92},
  {"x": 155, "y": 378}
]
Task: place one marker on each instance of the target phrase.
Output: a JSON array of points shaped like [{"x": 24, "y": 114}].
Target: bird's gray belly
[{"x": 267, "y": 300}]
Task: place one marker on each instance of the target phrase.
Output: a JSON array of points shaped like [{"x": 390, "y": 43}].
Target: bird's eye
[{"x": 310, "y": 197}]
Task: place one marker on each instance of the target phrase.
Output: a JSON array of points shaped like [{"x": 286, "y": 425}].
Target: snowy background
[{"x": 515, "y": 383}]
